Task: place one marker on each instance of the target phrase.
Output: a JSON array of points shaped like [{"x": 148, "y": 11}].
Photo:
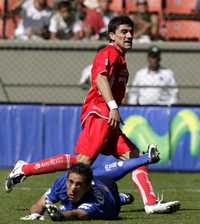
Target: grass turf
[{"x": 174, "y": 186}]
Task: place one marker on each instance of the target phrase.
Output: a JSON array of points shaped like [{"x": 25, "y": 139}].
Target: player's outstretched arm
[
  {"x": 36, "y": 211},
  {"x": 56, "y": 215},
  {"x": 39, "y": 206}
]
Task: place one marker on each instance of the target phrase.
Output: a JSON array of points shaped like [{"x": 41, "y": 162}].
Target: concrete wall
[{"x": 48, "y": 72}]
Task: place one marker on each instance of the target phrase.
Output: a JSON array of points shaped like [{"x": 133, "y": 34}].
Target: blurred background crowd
[{"x": 162, "y": 20}]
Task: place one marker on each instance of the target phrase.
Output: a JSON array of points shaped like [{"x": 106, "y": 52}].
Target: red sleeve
[{"x": 104, "y": 62}]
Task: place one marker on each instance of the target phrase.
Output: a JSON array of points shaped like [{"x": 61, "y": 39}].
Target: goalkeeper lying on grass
[{"x": 90, "y": 195}]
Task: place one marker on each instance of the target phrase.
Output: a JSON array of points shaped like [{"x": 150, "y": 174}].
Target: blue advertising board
[{"x": 33, "y": 132}]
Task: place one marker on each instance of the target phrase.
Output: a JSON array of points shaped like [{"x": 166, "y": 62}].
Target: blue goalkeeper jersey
[{"x": 102, "y": 202}]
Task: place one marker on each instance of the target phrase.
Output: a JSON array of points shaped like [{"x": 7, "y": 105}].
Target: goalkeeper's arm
[
  {"x": 39, "y": 206},
  {"x": 36, "y": 211},
  {"x": 75, "y": 214}
]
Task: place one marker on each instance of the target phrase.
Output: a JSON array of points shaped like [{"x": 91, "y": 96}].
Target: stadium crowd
[{"x": 88, "y": 19}]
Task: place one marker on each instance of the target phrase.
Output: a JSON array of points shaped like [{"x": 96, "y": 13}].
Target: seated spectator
[
  {"x": 79, "y": 29},
  {"x": 35, "y": 20},
  {"x": 97, "y": 19},
  {"x": 61, "y": 22},
  {"x": 146, "y": 23},
  {"x": 157, "y": 79}
]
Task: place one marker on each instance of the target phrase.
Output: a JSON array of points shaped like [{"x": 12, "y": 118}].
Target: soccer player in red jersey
[{"x": 100, "y": 120}]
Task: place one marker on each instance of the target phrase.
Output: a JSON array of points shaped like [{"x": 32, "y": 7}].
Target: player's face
[
  {"x": 123, "y": 37},
  {"x": 76, "y": 187}
]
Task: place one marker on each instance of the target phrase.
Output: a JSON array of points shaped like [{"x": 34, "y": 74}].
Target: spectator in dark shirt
[{"x": 146, "y": 23}]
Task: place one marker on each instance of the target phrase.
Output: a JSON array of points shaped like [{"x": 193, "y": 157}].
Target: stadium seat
[
  {"x": 117, "y": 6},
  {"x": 155, "y": 6},
  {"x": 180, "y": 6},
  {"x": 183, "y": 30}
]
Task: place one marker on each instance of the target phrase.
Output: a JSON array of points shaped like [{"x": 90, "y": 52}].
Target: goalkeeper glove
[
  {"x": 54, "y": 213},
  {"x": 33, "y": 216}
]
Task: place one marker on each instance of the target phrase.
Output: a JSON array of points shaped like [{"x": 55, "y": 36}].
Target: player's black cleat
[{"x": 126, "y": 198}]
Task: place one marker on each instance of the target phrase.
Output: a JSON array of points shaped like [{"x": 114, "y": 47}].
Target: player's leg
[
  {"x": 140, "y": 178},
  {"x": 88, "y": 146},
  {"x": 23, "y": 169},
  {"x": 118, "y": 169}
]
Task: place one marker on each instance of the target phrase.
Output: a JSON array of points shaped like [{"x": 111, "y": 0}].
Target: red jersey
[{"x": 109, "y": 61}]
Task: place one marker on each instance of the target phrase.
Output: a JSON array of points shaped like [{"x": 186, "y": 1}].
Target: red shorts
[{"x": 97, "y": 137}]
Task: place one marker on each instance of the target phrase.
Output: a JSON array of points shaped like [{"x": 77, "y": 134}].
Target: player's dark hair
[
  {"x": 115, "y": 22},
  {"x": 83, "y": 170}
]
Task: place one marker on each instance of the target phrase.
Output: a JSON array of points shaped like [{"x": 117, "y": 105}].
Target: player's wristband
[{"x": 112, "y": 104}]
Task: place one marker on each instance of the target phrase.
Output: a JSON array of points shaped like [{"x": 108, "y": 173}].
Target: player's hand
[
  {"x": 54, "y": 212},
  {"x": 33, "y": 216},
  {"x": 114, "y": 118}
]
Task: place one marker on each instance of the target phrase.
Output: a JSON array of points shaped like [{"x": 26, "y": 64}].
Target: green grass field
[{"x": 175, "y": 186}]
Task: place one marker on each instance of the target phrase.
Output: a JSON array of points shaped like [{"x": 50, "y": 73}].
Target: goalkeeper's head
[{"x": 78, "y": 182}]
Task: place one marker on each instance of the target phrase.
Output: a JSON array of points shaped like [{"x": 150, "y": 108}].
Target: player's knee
[{"x": 84, "y": 159}]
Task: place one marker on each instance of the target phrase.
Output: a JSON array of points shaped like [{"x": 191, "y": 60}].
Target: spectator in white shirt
[
  {"x": 154, "y": 84},
  {"x": 35, "y": 20},
  {"x": 61, "y": 23}
]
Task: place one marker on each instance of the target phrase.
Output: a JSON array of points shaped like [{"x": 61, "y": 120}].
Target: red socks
[
  {"x": 141, "y": 180},
  {"x": 57, "y": 163}
]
